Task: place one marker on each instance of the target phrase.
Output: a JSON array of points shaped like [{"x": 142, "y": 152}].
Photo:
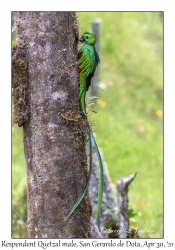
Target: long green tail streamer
[
  {"x": 100, "y": 182},
  {"x": 90, "y": 171}
]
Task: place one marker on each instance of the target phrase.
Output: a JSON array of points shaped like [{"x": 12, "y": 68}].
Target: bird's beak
[{"x": 81, "y": 39}]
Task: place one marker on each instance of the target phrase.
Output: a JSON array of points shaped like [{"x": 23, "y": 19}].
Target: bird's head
[{"x": 88, "y": 38}]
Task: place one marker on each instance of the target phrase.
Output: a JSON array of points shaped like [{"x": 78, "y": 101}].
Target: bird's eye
[{"x": 86, "y": 37}]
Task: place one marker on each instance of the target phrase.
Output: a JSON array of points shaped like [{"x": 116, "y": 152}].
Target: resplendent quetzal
[{"x": 88, "y": 60}]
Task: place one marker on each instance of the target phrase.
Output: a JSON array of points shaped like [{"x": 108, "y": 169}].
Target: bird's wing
[{"x": 87, "y": 61}]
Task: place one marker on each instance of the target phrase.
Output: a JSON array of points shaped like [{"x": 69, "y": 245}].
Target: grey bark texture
[
  {"x": 54, "y": 130},
  {"x": 122, "y": 189}
]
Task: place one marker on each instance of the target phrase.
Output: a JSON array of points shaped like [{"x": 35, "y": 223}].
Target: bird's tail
[
  {"x": 82, "y": 92},
  {"x": 100, "y": 182},
  {"x": 90, "y": 171}
]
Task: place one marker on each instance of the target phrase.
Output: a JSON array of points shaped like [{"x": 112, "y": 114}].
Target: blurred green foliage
[
  {"x": 129, "y": 122},
  {"x": 19, "y": 183}
]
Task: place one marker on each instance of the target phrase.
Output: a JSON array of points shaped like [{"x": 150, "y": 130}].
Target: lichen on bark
[{"x": 20, "y": 83}]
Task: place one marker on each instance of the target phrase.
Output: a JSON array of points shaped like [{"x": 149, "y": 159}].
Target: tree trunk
[{"x": 54, "y": 130}]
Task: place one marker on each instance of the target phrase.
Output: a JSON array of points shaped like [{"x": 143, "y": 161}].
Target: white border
[{"x": 5, "y": 95}]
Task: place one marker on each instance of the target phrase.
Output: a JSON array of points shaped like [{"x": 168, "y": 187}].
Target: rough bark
[{"x": 54, "y": 130}]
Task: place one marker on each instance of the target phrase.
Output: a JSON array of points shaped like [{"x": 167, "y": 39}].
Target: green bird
[{"x": 88, "y": 60}]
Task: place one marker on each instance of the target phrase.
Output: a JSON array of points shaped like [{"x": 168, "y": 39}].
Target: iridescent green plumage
[
  {"x": 87, "y": 184},
  {"x": 88, "y": 60}
]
